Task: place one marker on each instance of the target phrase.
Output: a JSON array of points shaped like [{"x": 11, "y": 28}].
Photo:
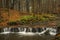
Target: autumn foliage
[{"x": 9, "y": 16}]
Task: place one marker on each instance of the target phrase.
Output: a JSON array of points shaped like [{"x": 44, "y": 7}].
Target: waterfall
[
  {"x": 43, "y": 31},
  {"x": 29, "y": 31},
  {"x": 52, "y": 31},
  {"x": 5, "y": 31},
  {"x": 19, "y": 29},
  {"x": 22, "y": 31},
  {"x": 25, "y": 29},
  {"x": 39, "y": 31}
]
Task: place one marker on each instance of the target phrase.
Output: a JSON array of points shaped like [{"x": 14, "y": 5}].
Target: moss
[
  {"x": 28, "y": 19},
  {"x": 35, "y": 18}
]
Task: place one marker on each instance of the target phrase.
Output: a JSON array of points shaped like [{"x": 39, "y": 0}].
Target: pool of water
[{"x": 15, "y": 36}]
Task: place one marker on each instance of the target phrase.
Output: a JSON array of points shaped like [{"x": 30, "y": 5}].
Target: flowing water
[
  {"x": 21, "y": 33},
  {"x": 27, "y": 31}
]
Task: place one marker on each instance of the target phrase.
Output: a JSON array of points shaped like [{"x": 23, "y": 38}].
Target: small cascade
[
  {"x": 29, "y": 31},
  {"x": 14, "y": 30},
  {"x": 22, "y": 30},
  {"x": 11, "y": 30},
  {"x": 43, "y": 30},
  {"x": 52, "y": 31},
  {"x": 19, "y": 29},
  {"x": 5, "y": 31},
  {"x": 39, "y": 31},
  {"x": 25, "y": 29}
]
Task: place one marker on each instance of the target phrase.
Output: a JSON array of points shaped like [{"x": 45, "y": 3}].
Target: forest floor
[{"x": 8, "y": 15}]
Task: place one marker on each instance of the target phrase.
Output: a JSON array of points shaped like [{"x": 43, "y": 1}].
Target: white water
[
  {"x": 22, "y": 31},
  {"x": 26, "y": 33},
  {"x": 5, "y": 31},
  {"x": 43, "y": 31},
  {"x": 52, "y": 31}
]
